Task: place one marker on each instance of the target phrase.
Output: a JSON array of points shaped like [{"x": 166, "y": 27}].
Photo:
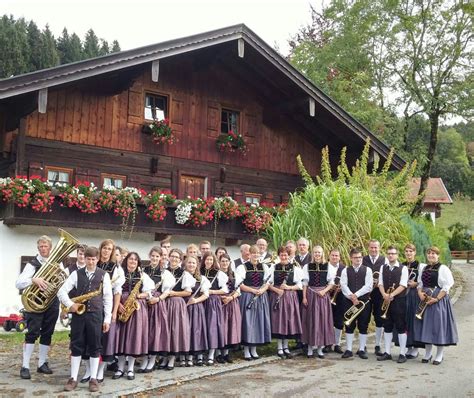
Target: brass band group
[{"x": 196, "y": 308}]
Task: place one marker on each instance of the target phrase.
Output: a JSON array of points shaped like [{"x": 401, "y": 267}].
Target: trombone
[
  {"x": 385, "y": 304},
  {"x": 352, "y": 313}
]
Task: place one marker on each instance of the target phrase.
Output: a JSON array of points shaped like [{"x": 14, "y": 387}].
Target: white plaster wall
[{"x": 17, "y": 241}]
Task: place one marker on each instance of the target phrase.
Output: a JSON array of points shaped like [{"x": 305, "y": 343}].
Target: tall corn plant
[{"x": 349, "y": 209}]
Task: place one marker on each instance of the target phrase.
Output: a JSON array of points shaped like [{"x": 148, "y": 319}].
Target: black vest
[
  {"x": 86, "y": 285},
  {"x": 211, "y": 274},
  {"x": 305, "y": 261},
  {"x": 356, "y": 280},
  {"x": 318, "y": 274},
  {"x": 35, "y": 263},
  {"x": 392, "y": 277},
  {"x": 414, "y": 268},
  {"x": 282, "y": 273},
  {"x": 131, "y": 279},
  {"x": 177, "y": 273},
  {"x": 254, "y": 276},
  {"x": 154, "y": 274},
  {"x": 237, "y": 262},
  {"x": 367, "y": 261},
  {"x": 429, "y": 276},
  {"x": 108, "y": 267}
]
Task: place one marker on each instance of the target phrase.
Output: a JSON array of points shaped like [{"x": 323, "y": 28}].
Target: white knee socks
[
  {"x": 144, "y": 363},
  {"x": 388, "y": 342},
  {"x": 75, "y": 365},
  {"x": 212, "y": 351},
  {"x": 253, "y": 351},
  {"x": 362, "y": 341},
  {"x": 100, "y": 370},
  {"x": 131, "y": 363},
  {"x": 94, "y": 366},
  {"x": 338, "y": 333},
  {"x": 88, "y": 370},
  {"x": 439, "y": 353},
  {"x": 151, "y": 362},
  {"x": 402, "y": 340},
  {"x": 428, "y": 349},
  {"x": 378, "y": 336},
  {"x": 27, "y": 352},
  {"x": 43, "y": 354},
  {"x": 349, "y": 340}
]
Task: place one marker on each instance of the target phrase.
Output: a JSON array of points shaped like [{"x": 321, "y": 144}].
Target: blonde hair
[
  {"x": 45, "y": 238},
  {"x": 323, "y": 257},
  {"x": 105, "y": 243}
]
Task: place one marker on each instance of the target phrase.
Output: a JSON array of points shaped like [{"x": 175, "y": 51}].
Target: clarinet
[
  {"x": 254, "y": 298},
  {"x": 199, "y": 288},
  {"x": 276, "y": 306}
]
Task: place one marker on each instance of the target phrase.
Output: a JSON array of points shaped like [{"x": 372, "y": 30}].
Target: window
[
  {"x": 252, "y": 198},
  {"x": 230, "y": 121},
  {"x": 194, "y": 186},
  {"x": 112, "y": 180},
  {"x": 156, "y": 107},
  {"x": 59, "y": 174}
]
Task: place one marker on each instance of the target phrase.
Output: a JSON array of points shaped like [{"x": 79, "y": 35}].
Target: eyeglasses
[
  {"x": 392, "y": 254},
  {"x": 356, "y": 257},
  {"x": 177, "y": 257}
]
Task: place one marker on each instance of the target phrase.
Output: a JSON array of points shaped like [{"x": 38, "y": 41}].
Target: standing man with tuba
[
  {"x": 40, "y": 324},
  {"x": 356, "y": 285},
  {"x": 393, "y": 283}
]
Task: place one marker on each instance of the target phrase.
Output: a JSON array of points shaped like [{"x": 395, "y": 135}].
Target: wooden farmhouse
[{"x": 87, "y": 121}]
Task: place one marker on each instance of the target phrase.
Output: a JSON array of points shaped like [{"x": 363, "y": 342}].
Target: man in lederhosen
[
  {"x": 39, "y": 324},
  {"x": 374, "y": 261},
  {"x": 394, "y": 276}
]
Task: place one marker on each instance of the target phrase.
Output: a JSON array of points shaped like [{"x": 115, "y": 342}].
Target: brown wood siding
[{"x": 196, "y": 95}]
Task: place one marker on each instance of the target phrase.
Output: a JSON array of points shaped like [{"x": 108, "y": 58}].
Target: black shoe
[
  {"x": 220, "y": 359},
  {"x": 338, "y": 349},
  {"x": 309, "y": 355},
  {"x": 401, "y": 359},
  {"x": 426, "y": 360},
  {"x": 327, "y": 349},
  {"x": 248, "y": 358},
  {"x": 362, "y": 354},
  {"x": 385, "y": 357},
  {"x": 25, "y": 373},
  {"x": 299, "y": 345},
  {"x": 437, "y": 362},
  {"x": 409, "y": 356},
  {"x": 255, "y": 356},
  {"x": 118, "y": 374},
  {"x": 199, "y": 362},
  {"x": 288, "y": 354},
  {"x": 45, "y": 369},
  {"x": 281, "y": 354},
  {"x": 182, "y": 364},
  {"x": 130, "y": 375},
  {"x": 347, "y": 354},
  {"x": 100, "y": 380},
  {"x": 141, "y": 371},
  {"x": 378, "y": 352},
  {"x": 228, "y": 359},
  {"x": 320, "y": 356},
  {"x": 169, "y": 367},
  {"x": 112, "y": 367},
  {"x": 162, "y": 364},
  {"x": 85, "y": 379}
]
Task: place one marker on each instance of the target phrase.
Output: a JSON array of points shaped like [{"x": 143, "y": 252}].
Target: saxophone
[
  {"x": 82, "y": 307},
  {"x": 131, "y": 304}
]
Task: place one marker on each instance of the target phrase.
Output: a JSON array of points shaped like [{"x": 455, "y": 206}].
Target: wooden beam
[
  {"x": 42, "y": 100},
  {"x": 312, "y": 107},
  {"x": 20, "y": 147},
  {"x": 241, "y": 47},
  {"x": 155, "y": 70}
]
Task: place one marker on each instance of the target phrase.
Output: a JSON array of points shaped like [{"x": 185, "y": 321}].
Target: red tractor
[{"x": 13, "y": 321}]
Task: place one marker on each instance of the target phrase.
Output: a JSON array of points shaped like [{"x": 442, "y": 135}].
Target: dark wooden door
[{"x": 192, "y": 186}]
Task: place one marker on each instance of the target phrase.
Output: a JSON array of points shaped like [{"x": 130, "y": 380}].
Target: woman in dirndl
[
  {"x": 316, "y": 315},
  {"x": 178, "y": 319},
  {"x": 196, "y": 313},
  {"x": 132, "y": 334},
  {"x": 216, "y": 327},
  {"x": 254, "y": 306},
  {"x": 437, "y": 326},
  {"x": 231, "y": 308},
  {"x": 284, "y": 305},
  {"x": 159, "y": 330}
]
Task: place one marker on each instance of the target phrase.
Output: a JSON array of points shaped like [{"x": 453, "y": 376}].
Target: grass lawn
[{"x": 462, "y": 210}]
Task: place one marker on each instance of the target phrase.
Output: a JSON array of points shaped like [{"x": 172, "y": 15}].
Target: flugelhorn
[
  {"x": 375, "y": 276},
  {"x": 352, "y": 313},
  {"x": 385, "y": 304},
  {"x": 423, "y": 304},
  {"x": 336, "y": 290}
]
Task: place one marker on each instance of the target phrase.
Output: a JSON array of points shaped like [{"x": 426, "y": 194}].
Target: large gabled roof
[{"x": 51, "y": 77}]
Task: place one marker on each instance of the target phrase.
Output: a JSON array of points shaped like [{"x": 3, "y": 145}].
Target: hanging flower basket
[
  {"x": 231, "y": 142},
  {"x": 160, "y": 131}
]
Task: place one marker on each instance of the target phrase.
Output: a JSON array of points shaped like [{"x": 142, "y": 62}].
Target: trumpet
[
  {"x": 423, "y": 304},
  {"x": 385, "y": 304},
  {"x": 352, "y": 313},
  {"x": 376, "y": 276},
  {"x": 335, "y": 292}
]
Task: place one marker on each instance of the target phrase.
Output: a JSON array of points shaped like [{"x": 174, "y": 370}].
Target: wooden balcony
[{"x": 73, "y": 218}]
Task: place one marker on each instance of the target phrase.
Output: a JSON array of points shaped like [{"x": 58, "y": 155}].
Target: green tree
[
  {"x": 115, "y": 46},
  {"x": 91, "y": 45},
  {"x": 49, "y": 54},
  {"x": 104, "y": 47},
  {"x": 13, "y": 47},
  {"x": 35, "y": 45},
  {"x": 69, "y": 47}
]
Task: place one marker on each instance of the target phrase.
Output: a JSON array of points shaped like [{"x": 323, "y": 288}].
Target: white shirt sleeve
[
  {"x": 304, "y": 275},
  {"x": 188, "y": 281},
  {"x": 420, "y": 272},
  {"x": 298, "y": 277},
  {"x": 332, "y": 272},
  {"x": 24, "y": 280},
  {"x": 268, "y": 273},
  {"x": 167, "y": 281},
  {"x": 380, "y": 276},
  {"x": 369, "y": 281},
  {"x": 344, "y": 287},
  {"x": 222, "y": 278},
  {"x": 107, "y": 298},
  {"x": 63, "y": 293},
  {"x": 271, "y": 272},
  {"x": 148, "y": 285},
  {"x": 205, "y": 286},
  {"x": 404, "y": 276},
  {"x": 118, "y": 278},
  {"x": 240, "y": 272},
  {"x": 445, "y": 278}
]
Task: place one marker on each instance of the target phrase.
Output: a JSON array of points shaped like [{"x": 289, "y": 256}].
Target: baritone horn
[
  {"x": 352, "y": 313},
  {"x": 33, "y": 298}
]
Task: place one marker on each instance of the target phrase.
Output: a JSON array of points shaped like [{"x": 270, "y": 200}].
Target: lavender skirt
[
  {"x": 109, "y": 342},
  {"x": 216, "y": 325},
  {"x": 159, "y": 336},
  {"x": 413, "y": 301},
  {"x": 286, "y": 318},
  {"x": 233, "y": 322},
  {"x": 198, "y": 327},
  {"x": 317, "y": 319},
  {"x": 179, "y": 325},
  {"x": 132, "y": 336},
  {"x": 256, "y": 326},
  {"x": 438, "y": 326}
]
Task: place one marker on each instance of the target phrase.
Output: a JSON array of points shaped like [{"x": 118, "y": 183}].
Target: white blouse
[
  {"x": 167, "y": 281},
  {"x": 445, "y": 277},
  {"x": 298, "y": 276},
  {"x": 188, "y": 281},
  {"x": 329, "y": 279}
]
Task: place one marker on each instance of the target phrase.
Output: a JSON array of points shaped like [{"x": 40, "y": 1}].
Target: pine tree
[
  {"x": 49, "y": 54},
  {"x": 75, "y": 52},
  {"x": 62, "y": 45},
  {"x": 13, "y": 47},
  {"x": 116, "y": 47},
  {"x": 35, "y": 45},
  {"x": 91, "y": 45},
  {"x": 104, "y": 48}
]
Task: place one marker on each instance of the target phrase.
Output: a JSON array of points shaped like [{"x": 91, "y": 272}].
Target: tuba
[
  {"x": 33, "y": 298},
  {"x": 352, "y": 313}
]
